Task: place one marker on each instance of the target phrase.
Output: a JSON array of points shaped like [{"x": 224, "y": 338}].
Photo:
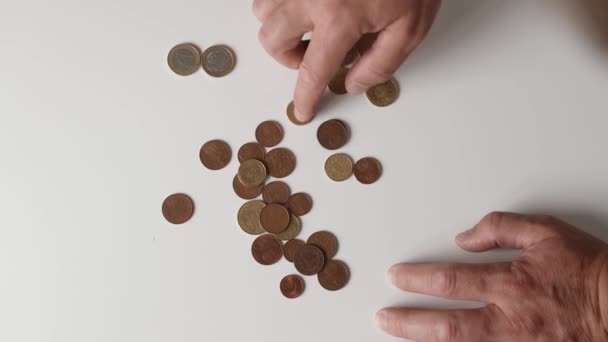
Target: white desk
[{"x": 503, "y": 107}]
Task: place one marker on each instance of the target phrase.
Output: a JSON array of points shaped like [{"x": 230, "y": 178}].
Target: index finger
[{"x": 321, "y": 61}]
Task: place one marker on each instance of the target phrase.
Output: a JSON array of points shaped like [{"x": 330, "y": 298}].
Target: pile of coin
[{"x": 217, "y": 61}]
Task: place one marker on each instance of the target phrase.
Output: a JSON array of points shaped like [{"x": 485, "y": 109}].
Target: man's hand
[
  {"x": 557, "y": 290},
  {"x": 336, "y": 27}
]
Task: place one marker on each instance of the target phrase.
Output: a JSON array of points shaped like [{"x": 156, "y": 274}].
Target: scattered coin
[
  {"x": 184, "y": 59},
  {"x": 244, "y": 191},
  {"x": 215, "y": 154},
  {"x": 332, "y": 134},
  {"x": 334, "y": 276},
  {"x": 339, "y": 167},
  {"x": 274, "y": 218},
  {"x": 367, "y": 170},
  {"x": 366, "y": 42},
  {"x": 383, "y": 94},
  {"x": 252, "y": 150},
  {"x": 337, "y": 85},
  {"x": 267, "y": 249},
  {"x": 309, "y": 260},
  {"x": 269, "y": 133},
  {"x": 252, "y": 173},
  {"x": 290, "y": 248},
  {"x": 178, "y": 208},
  {"x": 280, "y": 162},
  {"x": 326, "y": 241},
  {"x": 292, "y": 230},
  {"x": 292, "y": 286},
  {"x": 249, "y": 217},
  {"x": 276, "y": 192},
  {"x": 218, "y": 60},
  {"x": 299, "y": 203},
  {"x": 292, "y": 117},
  {"x": 351, "y": 57}
]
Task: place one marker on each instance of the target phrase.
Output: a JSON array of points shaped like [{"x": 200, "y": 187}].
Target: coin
[
  {"x": 367, "y": 170},
  {"x": 280, "y": 162},
  {"x": 252, "y": 173},
  {"x": 292, "y": 230},
  {"x": 218, "y": 60},
  {"x": 337, "y": 85},
  {"x": 366, "y": 42},
  {"x": 292, "y": 286},
  {"x": 178, "y": 208},
  {"x": 274, "y": 218},
  {"x": 339, "y": 167},
  {"x": 351, "y": 57},
  {"x": 334, "y": 276},
  {"x": 276, "y": 192},
  {"x": 299, "y": 203},
  {"x": 184, "y": 59},
  {"x": 267, "y": 249},
  {"x": 290, "y": 248},
  {"x": 251, "y": 150},
  {"x": 292, "y": 117},
  {"x": 215, "y": 154},
  {"x": 249, "y": 217},
  {"x": 332, "y": 134},
  {"x": 244, "y": 191},
  {"x": 326, "y": 241},
  {"x": 383, "y": 94},
  {"x": 269, "y": 133},
  {"x": 309, "y": 260}
]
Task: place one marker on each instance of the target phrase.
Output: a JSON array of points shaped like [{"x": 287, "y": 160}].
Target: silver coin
[{"x": 184, "y": 59}]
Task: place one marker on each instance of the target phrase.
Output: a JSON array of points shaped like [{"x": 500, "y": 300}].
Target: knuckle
[
  {"x": 520, "y": 282},
  {"x": 445, "y": 281},
  {"x": 493, "y": 219},
  {"x": 447, "y": 329}
]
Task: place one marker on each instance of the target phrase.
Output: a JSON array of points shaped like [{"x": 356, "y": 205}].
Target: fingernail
[
  {"x": 381, "y": 319},
  {"x": 464, "y": 235},
  {"x": 301, "y": 117},
  {"x": 357, "y": 88}
]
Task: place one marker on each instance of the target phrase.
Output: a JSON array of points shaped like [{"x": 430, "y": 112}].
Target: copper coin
[
  {"x": 251, "y": 150},
  {"x": 184, "y": 59},
  {"x": 334, "y": 276},
  {"x": 326, "y": 241},
  {"x": 276, "y": 192},
  {"x": 367, "y": 170},
  {"x": 269, "y": 133},
  {"x": 178, "y": 208},
  {"x": 267, "y": 249},
  {"x": 332, "y": 134},
  {"x": 292, "y": 117},
  {"x": 383, "y": 94},
  {"x": 292, "y": 230},
  {"x": 215, "y": 154},
  {"x": 351, "y": 57},
  {"x": 337, "y": 85},
  {"x": 280, "y": 162},
  {"x": 274, "y": 218},
  {"x": 309, "y": 260},
  {"x": 218, "y": 60},
  {"x": 292, "y": 286},
  {"x": 290, "y": 248},
  {"x": 244, "y": 191},
  {"x": 299, "y": 203}
]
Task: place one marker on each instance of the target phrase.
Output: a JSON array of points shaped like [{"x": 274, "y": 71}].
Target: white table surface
[{"x": 504, "y": 107}]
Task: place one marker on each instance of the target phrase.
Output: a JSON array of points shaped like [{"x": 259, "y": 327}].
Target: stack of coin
[{"x": 217, "y": 61}]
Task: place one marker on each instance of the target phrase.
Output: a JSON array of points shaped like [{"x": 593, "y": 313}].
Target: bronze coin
[
  {"x": 339, "y": 167},
  {"x": 218, "y": 60},
  {"x": 280, "y": 162},
  {"x": 351, "y": 57},
  {"x": 276, "y": 192},
  {"x": 334, "y": 276},
  {"x": 267, "y": 249},
  {"x": 292, "y": 117},
  {"x": 337, "y": 85},
  {"x": 215, "y": 154},
  {"x": 367, "y": 170},
  {"x": 244, "y": 191},
  {"x": 178, "y": 208},
  {"x": 251, "y": 150},
  {"x": 184, "y": 59},
  {"x": 332, "y": 134},
  {"x": 383, "y": 94},
  {"x": 299, "y": 203},
  {"x": 269, "y": 133},
  {"x": 274, "y": 218},
  {"x": 326, "y": 241},
  {"x": 309, "y": 260},
  {"x": 290, "y": 248},
  {"x": 292, "y": 230},
  {"x": 292, "y": 286}
]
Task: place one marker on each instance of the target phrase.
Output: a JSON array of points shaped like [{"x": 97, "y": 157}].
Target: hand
[
  {"x": 336, "y": 27},
  {"x": 557, "y": 290}
]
